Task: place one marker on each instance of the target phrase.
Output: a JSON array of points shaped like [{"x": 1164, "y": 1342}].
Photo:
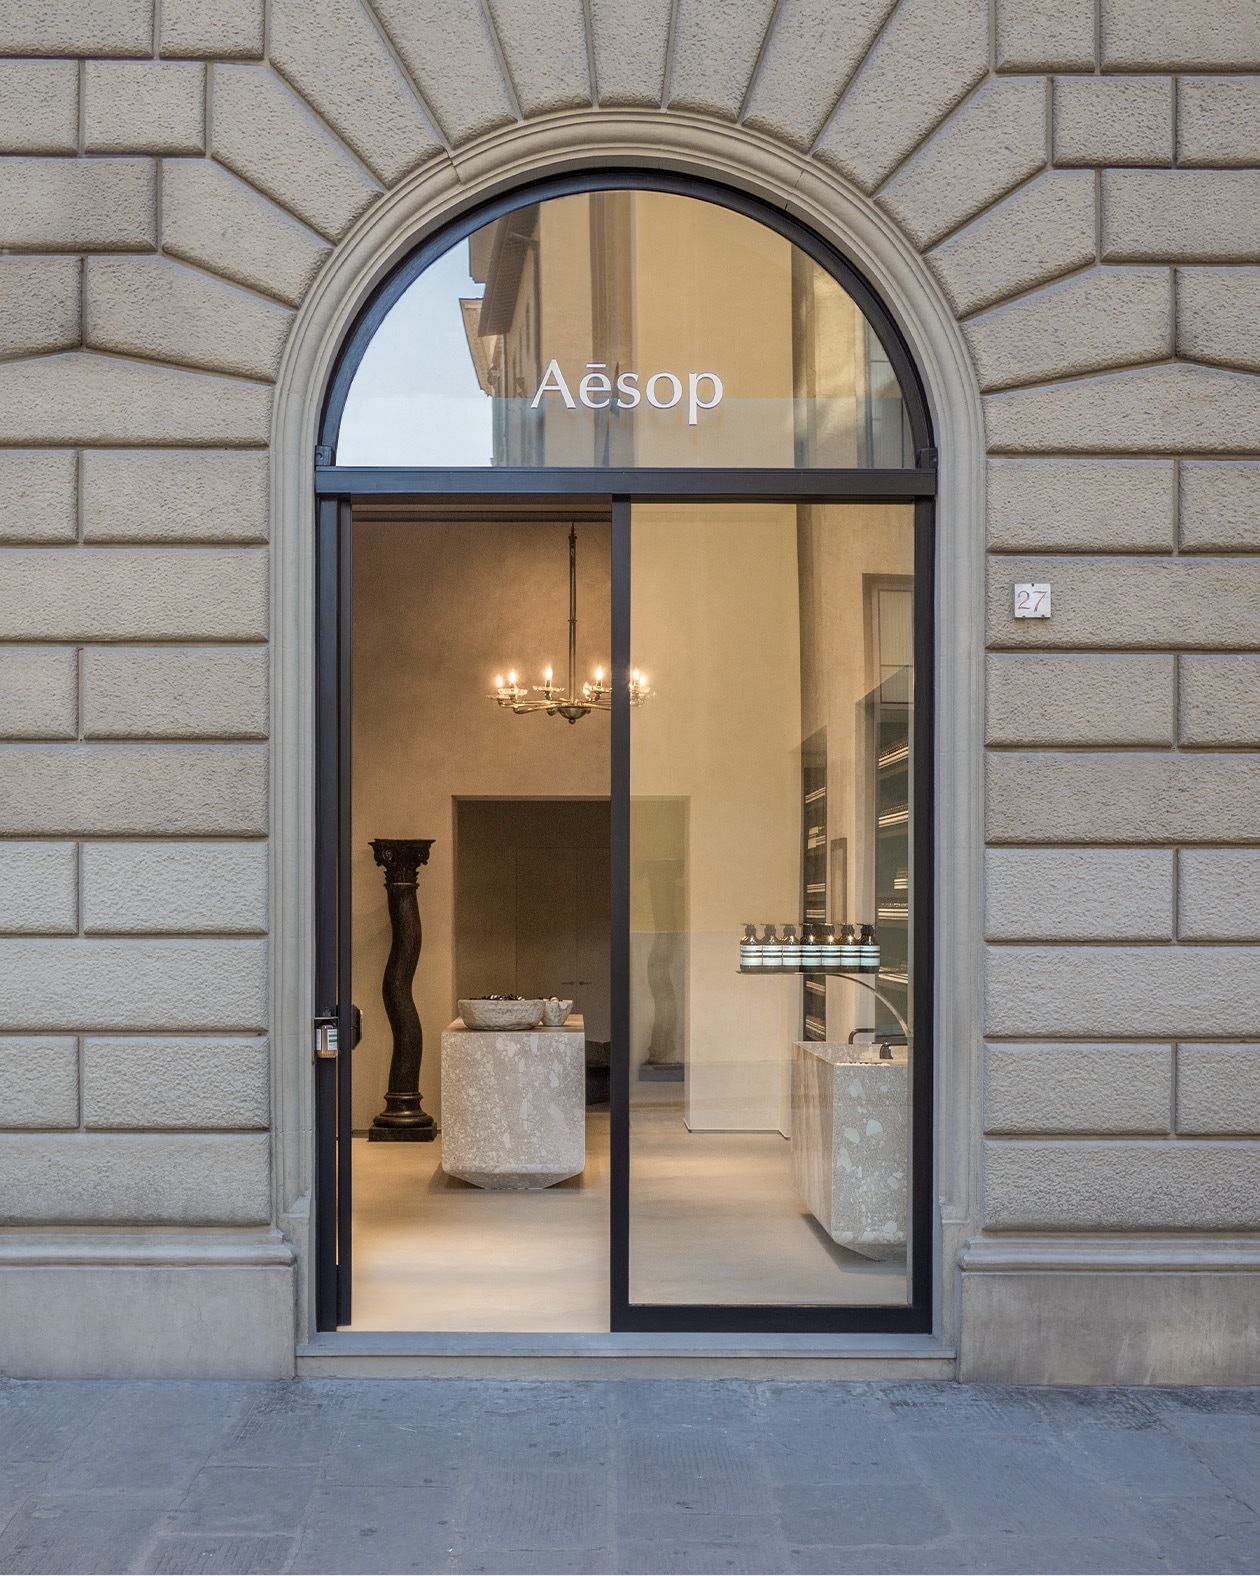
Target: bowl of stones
[{"x": 500, "y": 1012}]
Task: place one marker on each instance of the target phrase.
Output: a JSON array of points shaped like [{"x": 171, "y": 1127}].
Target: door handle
[{"x": 325, "y": 1039}]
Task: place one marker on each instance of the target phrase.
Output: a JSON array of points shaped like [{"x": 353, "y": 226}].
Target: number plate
[{"x": 1032, "y": 601}]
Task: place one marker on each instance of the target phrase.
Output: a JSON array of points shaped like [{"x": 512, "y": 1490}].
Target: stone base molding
[
  {"x": 1119, "y": 1310},
  {"x": 146, "y": 1305}
]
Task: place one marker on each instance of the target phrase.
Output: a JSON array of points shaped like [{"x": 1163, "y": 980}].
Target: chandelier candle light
[{"x": 570, "y": 705}]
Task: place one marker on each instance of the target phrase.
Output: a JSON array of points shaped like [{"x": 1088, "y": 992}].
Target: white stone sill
[
  {"x": 1137, "y": 1254},
  {"x": 633, "y": 1344}
]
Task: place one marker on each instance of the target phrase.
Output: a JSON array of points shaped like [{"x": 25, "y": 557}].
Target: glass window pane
[
  {"x": 625, "y": 328},
  {"x": 770, "y": 780}
]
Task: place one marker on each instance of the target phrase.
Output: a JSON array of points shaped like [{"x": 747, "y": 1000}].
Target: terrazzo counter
[
  {"x": 514, "y": 1105},
  {"x": 850, "y": 1143}
]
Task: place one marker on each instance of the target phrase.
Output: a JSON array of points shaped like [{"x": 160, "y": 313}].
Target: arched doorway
[{"x": 721, "y": 408}]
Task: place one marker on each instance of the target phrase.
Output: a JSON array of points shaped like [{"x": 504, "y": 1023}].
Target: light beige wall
[
  {"x": 439, "y": 610},
  {"x": 715, "y": 626}
]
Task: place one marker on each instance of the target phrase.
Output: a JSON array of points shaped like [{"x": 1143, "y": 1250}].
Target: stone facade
[{"x": 1072, "y": 188}]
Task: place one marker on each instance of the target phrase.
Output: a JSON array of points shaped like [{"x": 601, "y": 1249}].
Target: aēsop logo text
[{"x": 664, "y": 390}]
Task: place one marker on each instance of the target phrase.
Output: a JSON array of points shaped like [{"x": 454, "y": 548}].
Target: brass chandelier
[{"x": 569, "y": 704}]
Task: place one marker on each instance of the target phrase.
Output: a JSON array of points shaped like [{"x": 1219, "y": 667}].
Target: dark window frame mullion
[{"x": 724, "y": 484}]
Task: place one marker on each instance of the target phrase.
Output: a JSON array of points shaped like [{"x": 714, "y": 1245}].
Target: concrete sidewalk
[{"x": 460, "y": 1475}]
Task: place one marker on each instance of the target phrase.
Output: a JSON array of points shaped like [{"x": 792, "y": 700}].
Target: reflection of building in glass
[{"x": 680, "y": 333}]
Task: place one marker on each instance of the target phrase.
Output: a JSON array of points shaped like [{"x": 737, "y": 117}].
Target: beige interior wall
[
  {"x": 439, "y": 609},
  {"x": 715, "y": 625}
]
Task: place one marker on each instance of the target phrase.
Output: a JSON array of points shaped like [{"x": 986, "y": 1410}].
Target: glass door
[{"x": 770, "y": 1094}]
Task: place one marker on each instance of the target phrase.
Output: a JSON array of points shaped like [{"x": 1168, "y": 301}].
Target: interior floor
[{"x": 716, "y": 1220}]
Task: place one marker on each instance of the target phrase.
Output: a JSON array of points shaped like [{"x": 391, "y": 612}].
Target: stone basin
[{"x": 480, "y": 1013}]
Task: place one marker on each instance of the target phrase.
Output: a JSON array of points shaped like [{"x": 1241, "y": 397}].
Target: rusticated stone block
[
  {"x": 1082, "y": 505},
  {"x": 39, "y": 890},
  {"x": 120, "y": 593},
  {"x": 545, "y": 49},
  {"x": 40, "y": 490},
  {"x": 995, "y": 141},
  {"x": 175, "y": 495},
  {"x": 1134, "y": 602},
  {"x": 82, "y": 398},
  {"x": 216, "y": 29},
  {"x": 630, "y": 41},
  {"x": 334, "y": 55},
  {"x": 1041, "y": 231},
  {"x": 1180, "y": 216},
  {"x": 151, "y": 790},
  {"x": 39, "y": 304},
  {"x": 931, "y": 54},
  {"x": 1078, "y": 894},
  {"x": 1079, "y": 699},
  {"x": 1034, "y": 36},
  {"x": 1113, "y": 120},
  {"x": 39, "y": 106},
  {"x": 39, "y": 692},
  {"x": 212, "y": 219},
  {"x": 1172, "y": 407},
  {"x": 463, "y": 84},
  {"x": 150, "y": 306},
  {"x": 1143, "y": 1185},
  {"x": 1107, "y": 1088},
  {"x": 106, "y": 27},
  {"x": 140, "y": 1179},
  {"x": 1107, "y": 317},
  {"x": 174, "y": 1083},
  {"x": 1172, "y": 34},
  {"x": 1218, "y": 120},
  {"x": 175, "y": 692},
  {"x": 71, "y": 205},
  {"x": 268, "y": 136},
  {"x": 1218, "y": 1089},
  {"x": 144, "y": 106},
  {"x": 1151, "y": 992},
  {"x": 1220, "y": 507},
  {"x": 813, "y": 50},
  {"x": 1219, "y": 700},
  {"x": 1218, "y": 316},
  {"x": 715, "y": 81},
  {"x": 1218, "y": 894},
  {"x": 40, "y": 1076},
  {"x": 174, "y": 888},
  {"x": 1095, "y": 797},
  {"x": 133, "y": 984}
]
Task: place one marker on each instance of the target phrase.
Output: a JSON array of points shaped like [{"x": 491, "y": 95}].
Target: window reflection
[{"x": 625, "y": 328}]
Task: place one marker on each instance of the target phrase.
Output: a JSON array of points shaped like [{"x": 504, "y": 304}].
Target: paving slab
[{"x": 660, "y": 1476}]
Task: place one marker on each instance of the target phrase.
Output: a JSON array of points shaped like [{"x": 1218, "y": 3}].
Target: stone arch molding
[{"x": 745, "y": 159}]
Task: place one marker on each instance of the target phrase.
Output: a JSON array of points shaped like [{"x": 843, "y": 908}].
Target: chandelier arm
[{"x": 572, "y": 610}]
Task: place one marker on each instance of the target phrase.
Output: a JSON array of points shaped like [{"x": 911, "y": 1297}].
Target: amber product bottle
[
  {"x": 850, "y": 948},
  {"x": 869, "y": 951},
  {"x": 791, "y": 948},
  {"x": 771, "y": 949},
  {"x": 811, "y": 947},
  {"x": 830, "y": 949},
  {"x": 750, "y": 949}
]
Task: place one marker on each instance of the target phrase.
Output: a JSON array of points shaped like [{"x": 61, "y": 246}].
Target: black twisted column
[{"x": 403, "y": 1117}]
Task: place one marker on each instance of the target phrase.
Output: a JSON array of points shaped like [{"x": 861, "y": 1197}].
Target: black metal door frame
[{"x": 336, "y": 487}]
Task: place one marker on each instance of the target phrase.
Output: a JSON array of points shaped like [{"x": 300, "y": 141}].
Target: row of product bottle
[{"x": 850, "y": 948}]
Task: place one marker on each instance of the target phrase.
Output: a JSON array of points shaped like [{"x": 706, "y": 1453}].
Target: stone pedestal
[
  {"x": 851, "y": 1143},
  {"x": 514, "y": 1105}
]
